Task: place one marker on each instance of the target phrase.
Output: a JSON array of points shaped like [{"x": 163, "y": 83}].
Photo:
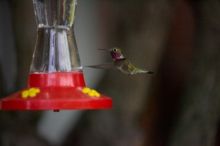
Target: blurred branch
[
  {"x": 25, "y": 30},
  {"x": 200, "y": 111}
]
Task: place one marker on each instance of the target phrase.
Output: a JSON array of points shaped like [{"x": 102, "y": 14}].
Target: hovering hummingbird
[{"x": 121, "y": 63}]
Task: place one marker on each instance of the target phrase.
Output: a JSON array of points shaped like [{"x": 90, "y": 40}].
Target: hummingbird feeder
[{"x": 56, "y": 80}]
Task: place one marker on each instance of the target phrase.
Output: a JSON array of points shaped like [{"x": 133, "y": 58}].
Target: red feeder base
[
  {"x": 56, "y": 91},
  {"x": 56, "y": 99}
]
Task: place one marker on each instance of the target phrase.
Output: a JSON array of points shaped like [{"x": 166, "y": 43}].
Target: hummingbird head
[{"x": 116, "y": 54}]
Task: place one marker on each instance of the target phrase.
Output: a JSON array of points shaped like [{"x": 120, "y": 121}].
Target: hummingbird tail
[{"x": 150, "y": 72}]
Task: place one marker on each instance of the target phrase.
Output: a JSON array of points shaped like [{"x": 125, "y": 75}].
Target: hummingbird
[{"x": 121, "y": 63}]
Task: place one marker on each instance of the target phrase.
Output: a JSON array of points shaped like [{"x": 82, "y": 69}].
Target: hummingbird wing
[
  {"x": 128, "y": 68},
  {"x": 102, "y": 66},
  {"x": 136, "y": 70}
]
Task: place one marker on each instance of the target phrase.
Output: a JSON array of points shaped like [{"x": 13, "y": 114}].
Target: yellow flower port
[
  {"x": 32, "y": 92},
  {"x": 91, "y": 92}
]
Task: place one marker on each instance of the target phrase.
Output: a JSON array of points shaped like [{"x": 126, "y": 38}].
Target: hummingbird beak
[{"x": 104, "y": 49}]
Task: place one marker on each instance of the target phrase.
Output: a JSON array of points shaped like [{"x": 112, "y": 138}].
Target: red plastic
[
  {"x": 58, "y": 79},
  {"x": 58, "y": 91}
]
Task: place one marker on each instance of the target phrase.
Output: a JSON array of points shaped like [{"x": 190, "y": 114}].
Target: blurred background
[{"x": 179, "y": 105}]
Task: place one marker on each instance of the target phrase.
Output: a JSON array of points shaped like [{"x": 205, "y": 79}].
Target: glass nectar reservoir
[{"x": 56, "y": 80}]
